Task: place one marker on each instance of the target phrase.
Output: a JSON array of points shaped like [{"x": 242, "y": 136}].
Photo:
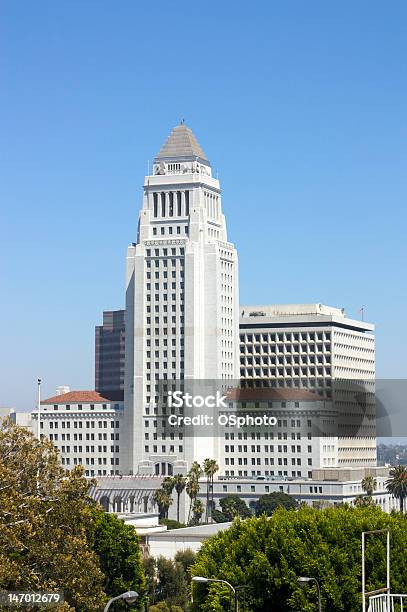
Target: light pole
[
  {"x": 307, "y": 579},
  {"x": 129, "y": 596},
  {"x": 232, "y": 588},
  {"x": 39, "y": 410}
]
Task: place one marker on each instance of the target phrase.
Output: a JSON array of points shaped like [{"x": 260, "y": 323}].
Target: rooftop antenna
[{"x": 362, "y": 311}]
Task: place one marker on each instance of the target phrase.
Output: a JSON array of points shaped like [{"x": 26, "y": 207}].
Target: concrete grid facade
[
  {"x": 297, "y": 444},
  {"x": 315, "y": 347}
]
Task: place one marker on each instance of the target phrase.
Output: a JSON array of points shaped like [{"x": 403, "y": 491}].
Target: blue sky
[{"x": 301, "y": 108}]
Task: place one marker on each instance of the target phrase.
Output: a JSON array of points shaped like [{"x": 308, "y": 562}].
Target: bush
[
  {"x": 171, "y": 523},
  {"x": 168, "y": 581},
  {"x": 233, "y": 506},
  {"x": 164, "y": 607},
  {"x": 268, "y": 555},
  {"x": 117, "y": 546},
  {"x": 266, "y": 504},
  {"x": 219, "y": 517}
]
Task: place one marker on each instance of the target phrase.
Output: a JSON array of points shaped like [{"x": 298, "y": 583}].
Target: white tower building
[{"x": 182, "y": 317}]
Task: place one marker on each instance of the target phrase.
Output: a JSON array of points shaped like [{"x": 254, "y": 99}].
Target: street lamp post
[
  {"x": 39, "y": 410},
  {"x": 308, "y": 579},
  {"x": 232, "y": 588},
  {"x": 129, "y": 596}
]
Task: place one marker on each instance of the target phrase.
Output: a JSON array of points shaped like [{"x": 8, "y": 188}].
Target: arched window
[{"x": 105, "y": 503}]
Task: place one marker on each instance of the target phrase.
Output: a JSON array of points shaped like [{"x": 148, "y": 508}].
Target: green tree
[
  {"x": 163, "y": 500},
  {"x": 169, "y": 581},
  {"x": 179, "y": 485},
  {"x": 150, "y": 572},
  {"x": 267, "y": 554},
  {"x": 233, "y": 506},
  {"x": 364, "y": 500},
  {"x": 172, "y": 586},
  {"x": 163, "y": 606},
  {"x": 171, "y": 524},
  {"x": 168, "y": 484},
  {"x": 397, "y": 484},
  {"x": 192, "y": 485},
  {"x": 117, "y": 547},
  {"x": 267, "y": 504},
  {"x": 197, "y": 512},
  {"x": 45, "y": 513},
  {"x": 218, "y": 516},
  {"x": 369, "y": 485},
  {"x": 186, "y": 558},
  {"x": 195, "y": 471},
  {"x": 210, "y": 467}
]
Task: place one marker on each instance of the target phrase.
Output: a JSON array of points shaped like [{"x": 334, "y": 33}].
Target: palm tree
[
  {"x": 207, "y": 470},
  {"x": 210, "y": 468},
  {"x": 163, "y": 501},
  {"x": 397, "y": 484},
  {"x": 168, "y": 484},
  {"x": 192, "y": 489},
  {"x": 215, "y": 468},
  {"x": 196, "y": 470},
  {"x": 179, "y": 485},
  {"x": 369, "y": 485},
  {"x": 192, "y": 486},
  {"x": 197, "y": 510}
]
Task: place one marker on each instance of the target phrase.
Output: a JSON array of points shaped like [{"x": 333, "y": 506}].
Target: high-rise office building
[
  {"x": 109, "y": 355},
  {"x": 181, "y": 302},
  {"x": 319, "y": 348}
]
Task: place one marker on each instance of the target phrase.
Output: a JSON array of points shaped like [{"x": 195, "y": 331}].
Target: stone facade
[{"x": 181, "y": 301}]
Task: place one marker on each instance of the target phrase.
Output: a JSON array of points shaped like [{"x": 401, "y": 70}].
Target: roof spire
[{"x": 182, "y": 144}]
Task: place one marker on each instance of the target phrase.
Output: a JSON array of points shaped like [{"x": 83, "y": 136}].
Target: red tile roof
[
  {"x": 77, "y": 397},
  {"x": 268, "y": 394}
]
